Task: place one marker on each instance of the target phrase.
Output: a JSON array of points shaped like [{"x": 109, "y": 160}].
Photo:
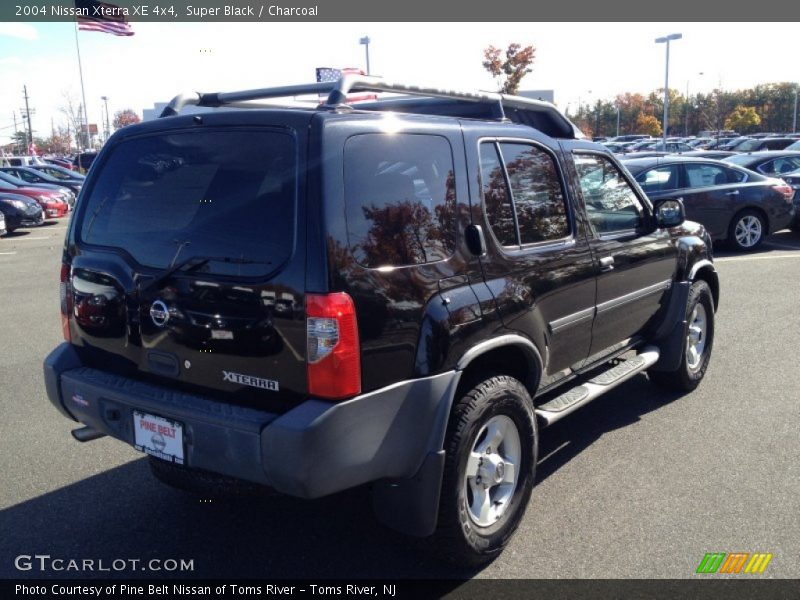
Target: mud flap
[
  {"x": 411, "y": 506},
  {"x": 670, "y": 335}
]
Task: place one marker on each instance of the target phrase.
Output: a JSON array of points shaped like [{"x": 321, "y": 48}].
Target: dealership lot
[{"x": 639, "y": 484}]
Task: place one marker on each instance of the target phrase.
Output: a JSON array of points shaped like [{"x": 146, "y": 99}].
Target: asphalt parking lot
[{"x": 639, "y": 484}]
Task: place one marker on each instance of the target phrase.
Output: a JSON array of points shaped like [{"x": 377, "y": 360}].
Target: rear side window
[
  {"x": 705, "y": 175},
  {"x": 212, "y": 193},
  {"x": 522, "y": 194},
  {"x": 659, "y": 179},
  {"x": 535, "y": 187},
  {"x": 399, "y": 198}
]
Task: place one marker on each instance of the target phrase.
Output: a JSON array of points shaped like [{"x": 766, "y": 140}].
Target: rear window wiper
[{"x": 192, "y": 264}]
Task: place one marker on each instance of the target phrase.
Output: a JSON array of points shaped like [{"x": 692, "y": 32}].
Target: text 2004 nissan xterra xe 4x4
[{"x": 397, "y": 293}]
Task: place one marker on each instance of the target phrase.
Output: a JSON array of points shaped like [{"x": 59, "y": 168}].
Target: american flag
[
  {"x": 107, "y": 22},
  {"x": 326, "y": 75}
]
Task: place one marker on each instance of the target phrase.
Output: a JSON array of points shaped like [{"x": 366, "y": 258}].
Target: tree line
[
  {"x": 766, "y": 107},
  {"x": 769, "y": 107}
]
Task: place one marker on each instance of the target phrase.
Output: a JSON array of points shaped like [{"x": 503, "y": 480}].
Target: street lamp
[
  {"x": 666, "y": 40},
  {"x": 108, "y": 123},
  {"x": 686, "y": 126},
  {"x": 794, "y": 118},
  {"x": 364, "y": 41}
]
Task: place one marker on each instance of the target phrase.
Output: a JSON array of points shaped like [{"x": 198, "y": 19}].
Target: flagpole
[{"x": 83, "y": 91}]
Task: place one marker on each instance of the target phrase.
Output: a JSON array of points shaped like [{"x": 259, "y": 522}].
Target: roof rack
[{"x": 338, "y": 90}]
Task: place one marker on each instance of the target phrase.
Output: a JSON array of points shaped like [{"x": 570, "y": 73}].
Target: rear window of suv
[
  {"x": 399, "y": 198},
  {"x": 213, "y": 193}
]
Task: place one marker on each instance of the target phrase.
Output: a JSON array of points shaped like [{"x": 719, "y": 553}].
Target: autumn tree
[
  {"x": 648, "y": 124},
  {"x": 509, "y": 72},
  {"x": 743, "y": 119},
  {"x": 125, "y": 117}
]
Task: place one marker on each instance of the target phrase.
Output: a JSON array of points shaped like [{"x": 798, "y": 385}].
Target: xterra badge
[{"x": 257, "y": 382}]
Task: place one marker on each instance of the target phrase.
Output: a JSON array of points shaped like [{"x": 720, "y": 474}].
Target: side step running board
[{"x": 571, "y": 400}]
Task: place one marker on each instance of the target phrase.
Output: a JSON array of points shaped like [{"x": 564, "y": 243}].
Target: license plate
[
  {"x": 158, "y": 436},
  {"x": 221, "y": 334}
]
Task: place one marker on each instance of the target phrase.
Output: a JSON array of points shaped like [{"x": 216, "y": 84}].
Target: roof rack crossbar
[{"x": 338, "y": 90}]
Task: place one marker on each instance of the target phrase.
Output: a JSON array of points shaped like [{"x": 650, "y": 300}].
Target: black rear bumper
[{"x": 315, "y": 449}]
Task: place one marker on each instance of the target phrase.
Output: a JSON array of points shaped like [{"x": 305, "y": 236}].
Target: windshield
[{"x": 164, "y": 198}]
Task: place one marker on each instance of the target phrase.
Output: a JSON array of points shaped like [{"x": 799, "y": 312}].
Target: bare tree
[{"x": 73, "y": 111}]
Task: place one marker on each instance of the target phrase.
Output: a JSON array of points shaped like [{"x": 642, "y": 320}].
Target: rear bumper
[{"x": 313, "y": 450}]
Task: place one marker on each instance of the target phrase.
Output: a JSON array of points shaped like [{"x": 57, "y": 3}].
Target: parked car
[
  {"x": 720, "y": 143},
  {"x": 700, "y": 142},
  {"x": 3, "y": 230},
  {"x": 630, "y": 138},
  {"x": 84, "y": 160},
  {"x": 31, "y": 175},
  {"x": 60, "y": 173},
  {"x": 793, "y": 179},
  {"x": 464, "y": 280},
  {"x": 770, "y": 163},
  {"x": 19, "y": 211},
  {"x": 20, "y": 161},
  {"x": 51, "y": 202},
  {"x": 760, "y": 144},
  {"x": 733, "y": 204},
  {"x": 62, "y": 162},
  {"x": 64, "y": 193},
  {"x": 794, "y": 146},
  {"x": 715, "y": 154}
]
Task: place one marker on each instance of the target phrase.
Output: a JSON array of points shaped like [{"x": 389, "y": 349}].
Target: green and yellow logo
[{"x": 736, "y": 562}]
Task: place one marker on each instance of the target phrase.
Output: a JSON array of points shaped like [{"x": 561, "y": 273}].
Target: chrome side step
[{"x": 571, "y": 400}]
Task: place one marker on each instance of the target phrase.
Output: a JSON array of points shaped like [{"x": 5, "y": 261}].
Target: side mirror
[{"x": 670, "y": 213}]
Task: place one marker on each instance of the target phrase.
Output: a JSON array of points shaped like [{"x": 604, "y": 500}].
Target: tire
[
  {"x": 471, "y": 532},
  {"x": 747, "y": 230},
  {"x": 203, "y": 483},
  {"x": 698, "y": 341}
]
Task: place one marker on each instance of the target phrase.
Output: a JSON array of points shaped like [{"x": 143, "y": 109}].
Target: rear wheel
[
  {"x": 491, "y": 450},
  {"x": 747, "y": 230},
  {"x": 697, "y": 343}
]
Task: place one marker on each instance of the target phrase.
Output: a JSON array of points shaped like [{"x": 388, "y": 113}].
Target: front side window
[
  {"x": 399, "y": 198},
  {"x": 611, "y": 204}
]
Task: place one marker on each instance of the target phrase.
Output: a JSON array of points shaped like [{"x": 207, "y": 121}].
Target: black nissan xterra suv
[{"x": 399, "y": 292}]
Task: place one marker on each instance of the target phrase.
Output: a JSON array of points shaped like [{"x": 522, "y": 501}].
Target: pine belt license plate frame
[{"x": 159, "y": 436}]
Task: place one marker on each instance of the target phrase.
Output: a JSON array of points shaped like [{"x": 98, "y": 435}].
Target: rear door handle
[
  {"x": 607, "y": 263},
  {"x": 733, "y": 193}
]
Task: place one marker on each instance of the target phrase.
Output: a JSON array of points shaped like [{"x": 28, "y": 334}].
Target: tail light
[
  {"x": 66, "y": 301},
  {"x": 785, "y": 189},
  {"x": 333, "y": 353}
]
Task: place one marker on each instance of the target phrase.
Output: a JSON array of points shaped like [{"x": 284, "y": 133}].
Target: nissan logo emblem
[{"x": 159, "y": 313}]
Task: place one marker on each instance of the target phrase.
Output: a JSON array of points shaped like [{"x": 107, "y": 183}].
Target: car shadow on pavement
[
  {"x": 621, "y": 407},
  {"x": 124, "y": 513},
  {"x": 783, "y": 240},
  {"x": 16, "y": 233}
]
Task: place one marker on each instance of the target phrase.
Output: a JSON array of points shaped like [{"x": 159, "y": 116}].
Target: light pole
[
  {"x": 686, "y": 126},
  {"x": 364, "y": 41},
  {"x": 108, "y": 123},
  {"x": 666, "y": 40},
  {"x": 617, "y": 119},
  {"x": 794, "y": 118}
]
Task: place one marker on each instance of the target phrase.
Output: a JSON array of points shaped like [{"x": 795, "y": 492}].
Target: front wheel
[
  {"x": 491, "y": 450},
  {"x": 697, "y": 343}
]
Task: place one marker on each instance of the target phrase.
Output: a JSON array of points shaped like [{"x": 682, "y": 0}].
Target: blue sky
[{"x": 577, "y": 60}]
